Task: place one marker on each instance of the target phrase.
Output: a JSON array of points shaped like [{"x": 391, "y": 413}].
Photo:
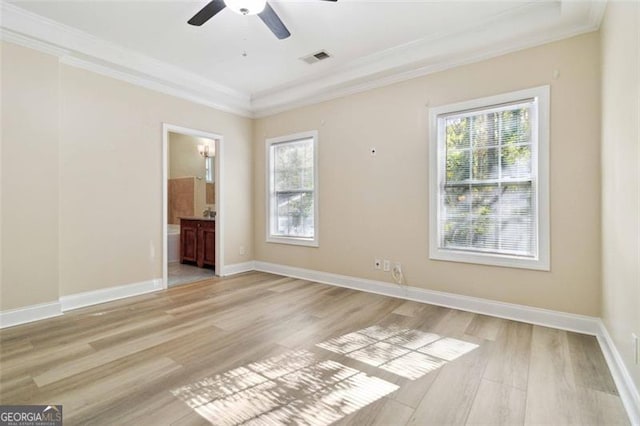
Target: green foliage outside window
[{"x": 488, "y": 192}]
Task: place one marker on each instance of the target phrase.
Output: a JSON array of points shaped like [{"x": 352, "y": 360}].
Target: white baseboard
[
  {"x": 238, "y": 268},
  {"x": 579, "y": 323},
  {"x": 626, "y": 387},
  {"x": 562, "y": 320},
  {"x": 29, "y": 314},
  {"x": 80, "y": 300}
]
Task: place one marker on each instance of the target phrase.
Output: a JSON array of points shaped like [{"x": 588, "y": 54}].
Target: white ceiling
[{"x": 371, "y": 43}]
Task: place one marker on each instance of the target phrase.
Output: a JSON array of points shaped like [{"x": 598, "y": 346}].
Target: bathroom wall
[
  {"x": 184, "y": 160},
  {"x": 181, "y": 201}
]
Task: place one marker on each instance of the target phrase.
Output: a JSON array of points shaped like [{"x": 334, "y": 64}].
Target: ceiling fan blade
[
  {"x": 207, "y": 12},
  {"x": 271, "y": 19}
]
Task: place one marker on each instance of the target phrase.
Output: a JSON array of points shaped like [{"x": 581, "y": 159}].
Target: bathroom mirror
[{"x": 191, "y": 175}]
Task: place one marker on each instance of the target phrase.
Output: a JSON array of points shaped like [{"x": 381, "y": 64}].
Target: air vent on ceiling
[{"x": 316, "y": 57}]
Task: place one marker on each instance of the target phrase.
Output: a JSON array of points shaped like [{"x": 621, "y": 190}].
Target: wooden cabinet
[{"x": 198, "y": 242}]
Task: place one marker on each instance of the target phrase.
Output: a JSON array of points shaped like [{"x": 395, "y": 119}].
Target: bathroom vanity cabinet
[{"x": 198, "y": 241}]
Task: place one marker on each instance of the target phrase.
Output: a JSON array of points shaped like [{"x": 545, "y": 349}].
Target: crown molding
[
  {"x": 415, "y": 59},
  {"x": 596, "y": 13},
  {"x": 420, "y": 58},
  {"x": 31, "y": 43},
  {"x": 155, "y": 85},
  {"x": 78, "y": 48}
]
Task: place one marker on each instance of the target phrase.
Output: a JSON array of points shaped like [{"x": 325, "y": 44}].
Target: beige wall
[
  {"x": 30, "y": 187},
  {"x": 621, "y": 177},
  {"x": 185, "y": 161},
  {"x": 82, "y": 178},
  {"x": 377, "y": 206},
  {"x": 110, "y": 224}
]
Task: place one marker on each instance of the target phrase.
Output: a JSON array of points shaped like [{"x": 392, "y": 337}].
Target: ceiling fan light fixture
[{"x": 246, "y": 7}]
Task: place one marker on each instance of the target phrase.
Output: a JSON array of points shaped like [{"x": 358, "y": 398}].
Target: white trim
[
  {"x": 94, "y": 297},
  {"x": 29, "y": 314},
  {"x": 32, "y": 43},
  {"x": 298, "y": 241},
  {"x": 596, "y": 13},
  {"x": 219, "y": 201},
  {"x": 418, "y": 59},
  {"x": 400, "y": 63},
  {"x": 157, "y": 85},
  {"x": 84, "y": 50},
  {"x": 238, "y": 268},
  {"x": 624, "y": 382},
  {"x": 540, "y": 165},
  {"x": 545, "y": 317}
]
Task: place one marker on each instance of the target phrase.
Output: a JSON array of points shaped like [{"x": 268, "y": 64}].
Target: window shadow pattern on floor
[
  {"x": 297, "y": 387},
  {"x": 406, "y": 352}
]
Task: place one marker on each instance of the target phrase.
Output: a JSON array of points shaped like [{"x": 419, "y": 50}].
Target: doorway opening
[{"x": 192, "y": 203}]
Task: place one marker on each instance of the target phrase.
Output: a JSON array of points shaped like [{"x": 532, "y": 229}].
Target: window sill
[
  {"x": 305, "y": 242},
  {"x": 490, "y": 259}
]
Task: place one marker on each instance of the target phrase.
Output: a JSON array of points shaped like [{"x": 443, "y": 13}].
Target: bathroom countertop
[{"x": 211, "y": 219}]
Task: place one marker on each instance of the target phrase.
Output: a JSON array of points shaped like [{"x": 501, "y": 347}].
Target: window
[
  {"x": 208, "y": 165},
  {"x": 489, "y": 180},
  {"x": 292, "y": 189}
]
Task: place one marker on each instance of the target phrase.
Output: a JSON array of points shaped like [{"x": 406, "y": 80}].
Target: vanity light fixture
[{"x": 206, "y": 151}]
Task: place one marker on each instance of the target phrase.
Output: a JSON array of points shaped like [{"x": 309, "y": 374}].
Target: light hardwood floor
[{"x": 263, "y": 349}]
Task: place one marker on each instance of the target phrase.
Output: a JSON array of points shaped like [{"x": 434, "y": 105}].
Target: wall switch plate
[
  {"x": 243, "y": 251},
  {"x": 636, "y": 348},
  {"x": 377, "y": 264},
  {"x": 386, "y": 265}
]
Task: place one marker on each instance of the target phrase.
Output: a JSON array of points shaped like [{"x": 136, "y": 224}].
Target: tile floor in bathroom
[{"x": 180, "y": 273}]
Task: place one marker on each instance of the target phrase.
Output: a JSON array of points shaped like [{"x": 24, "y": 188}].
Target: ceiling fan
[{"x": 244, "y": 7}]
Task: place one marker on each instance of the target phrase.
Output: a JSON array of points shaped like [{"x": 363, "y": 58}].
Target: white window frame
[
  {"x": 540, "y": 182},
  {"x": 270, "y": 208}
]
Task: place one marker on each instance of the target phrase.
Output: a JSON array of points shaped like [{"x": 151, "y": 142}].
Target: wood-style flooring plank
[
  {"x": 509, "y": 360},
  {"x": 497, "y": 404},
  {"x": 267, "y": 349},
  {"x": 383, "y": 412},
  {"x": 589, "y": 366},
  {"x": 551, "y": 389},
  {"x": 451, "y": 395}
]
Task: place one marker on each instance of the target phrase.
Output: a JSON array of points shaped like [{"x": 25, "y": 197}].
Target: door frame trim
[{"x": 219, "y": 198}]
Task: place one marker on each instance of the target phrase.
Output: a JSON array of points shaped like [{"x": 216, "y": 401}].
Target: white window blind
[
  {"x": 292, "y": 190},
  {"x": 487, "y": 202},
  {"x": 487, "y": 190}
]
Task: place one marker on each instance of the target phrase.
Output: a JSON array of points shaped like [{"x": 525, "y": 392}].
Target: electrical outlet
[
  {"x": 243, "y": 251},
  {"x": 397, "y": 274},
  {"x": 386, "y": 265},
  {"x": 636, "y": 348},
  {"x": 377, "y": 264}
]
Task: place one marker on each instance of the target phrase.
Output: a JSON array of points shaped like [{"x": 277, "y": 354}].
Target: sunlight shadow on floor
[
  {"x": 298, "y": 388},
  {"x": 406, "y": 352},
  {"x": 294, "y": 387}
]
